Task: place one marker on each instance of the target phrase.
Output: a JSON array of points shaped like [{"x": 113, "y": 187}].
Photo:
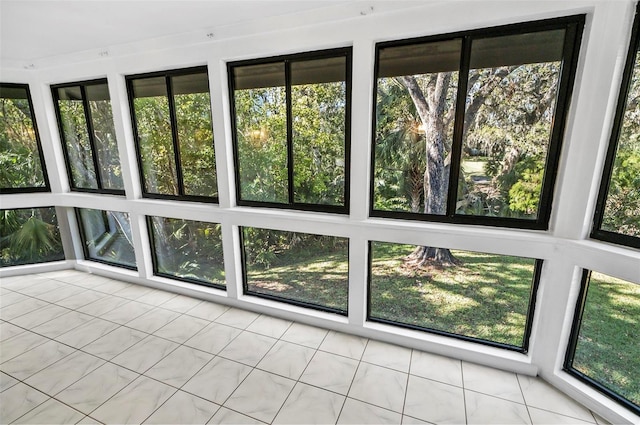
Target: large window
[
  {"x": 617, "y": 217},
  {"x": 22, "y": 167},
  {"x": 174, "y": 134},
  {"x": 86, "y": 127},
  {"x": 291, "y": 122},
  {"x": 604, "y": 349},
  {"x": 297, "y": 268},
  {"x": 471, "y": 295},
  {"x": 28, "y": 236},
  {"x": 468, "y": 126},
  {"x": 187, "y": 250},
  {"x": 107, "y": 237}
]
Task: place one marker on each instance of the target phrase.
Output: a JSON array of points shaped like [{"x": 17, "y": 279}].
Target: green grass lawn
[
  {"x": 608, "y": 349},
  {"x": 486, "y": 297}
]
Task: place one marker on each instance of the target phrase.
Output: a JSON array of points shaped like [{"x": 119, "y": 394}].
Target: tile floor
[{"x": 80, "y": 348}]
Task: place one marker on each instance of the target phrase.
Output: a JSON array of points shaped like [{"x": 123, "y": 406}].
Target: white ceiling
[{"x": 31, "y": 30}]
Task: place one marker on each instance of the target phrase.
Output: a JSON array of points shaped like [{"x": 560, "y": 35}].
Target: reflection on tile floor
[{"x": 80, "y": 348}]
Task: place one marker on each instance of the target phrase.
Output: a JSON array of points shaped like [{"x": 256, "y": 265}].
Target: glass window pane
[
  {"x": 195, "y": 134},
  {"x": 297, "y": 267},
  {"x": 622, "y": 207},
  {"x": 511, "y": 98},
  {"x": 415, "y": 110},
  {"x": 28, "y": 236},
  {"x": 187, "y": 249},
  {"x": 318, "y": 102},
  {"x": 607, "y": 348},
  {"x": 107, "y": 237},
  {"x": 104, "y": 136},
  {"x": 20, "y": 156},
  {"x": 76, "y": 137},
  {"x": 478, "y": 295},
  {"x": 261, "y": 132},
  {"x": 151, "y": 108}
]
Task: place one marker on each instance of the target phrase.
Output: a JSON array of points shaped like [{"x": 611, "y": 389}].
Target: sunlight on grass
[
  {"x": 486, "y": 297},
  {"x": 608, "y": 350}
]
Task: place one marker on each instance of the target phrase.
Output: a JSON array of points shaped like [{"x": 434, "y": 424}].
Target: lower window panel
[
  {"x": 485, "y": 297},
  {"x": 107, "y": 237},
  {"x": 29, "y": 236},
  {"x": 298, "y": 268},
  {"x": 188, "y": 250},
  {"x": 605, "y": 348}
]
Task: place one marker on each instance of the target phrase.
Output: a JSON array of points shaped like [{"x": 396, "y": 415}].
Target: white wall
[{"x": 565, "y": 248}]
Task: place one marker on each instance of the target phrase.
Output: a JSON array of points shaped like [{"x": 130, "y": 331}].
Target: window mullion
[
  {"x": 92, "y": 143},
  {"x": 458, "y": 127},
  {"x": 174, "y": 135},
  {"x": 287, "y": 79}
]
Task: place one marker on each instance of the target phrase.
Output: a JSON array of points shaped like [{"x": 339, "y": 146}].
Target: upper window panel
[
  {"x": 468, "y": 126},
  {"x": 22, "y": 167},
  {"x": 618, "y": 209},
  {"x": 174, "y": 133},
  {"x": 292, "y": 131},
  {"x": 86, "y": 127}
]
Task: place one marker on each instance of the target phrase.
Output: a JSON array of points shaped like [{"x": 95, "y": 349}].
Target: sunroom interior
[{"x": 456, "y": 177}]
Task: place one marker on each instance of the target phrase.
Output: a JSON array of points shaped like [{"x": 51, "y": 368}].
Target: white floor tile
[
  {"x": 437, "y": 368},
  {"x": 10, "y": 298},
  {"x": 19, "y": 344},
  {"x": 97, "y": 387},
  {"x": 237, "y": 318},
  {"x": 156, "y": 297},
  {"x": 269, "y": 326},
  {"x": 87, "y": 333},
  {"x": 74, "y": 302},
  {"x": 145, "y": 354},
  {"x": 183, "y": 408},
  {"x": 544, "y": 417},
  {"x": 261, "y": 395},
  {"x": 330, "y": 371},
  {"x": 63, "y": 324},
  {"x": 217, "y": 380},
  {"x": 153, "y": 320},
  {"x": 380, "y": 386},
  {"x": 182, "y": 328},
  {"x": 179, "y": 366},
  {"x": 387, "y": 355},
  {"x": 115, "y": 342},
  {"x": 51, "y": 412},
  {"x": 134, "y": 403},
  {"x": 248, "y": 348},
  {"x": 8, "y": 330},
  {"x": 64, "y": 372},
  {"x": 538, "y": 393},
  {"x": 207, "y": 311},
  {"x": 226, "y": 416},
  {"x": 103, "y": 305},
  {"x": 213, "y": 338},
  {"x": 133, "y": 292},
  {"x": 491, "y": 381},
  {"x": 60, "y": 293},
  {"x": 127, "y": 312},
  {"x": 181, "y": 303},
  {"x": 110, "y": 286},
  {"x": 20, "y": 308},
  {"x": 40, "y": 316},
  {"x": 434, "y": 402},
  {"x": 310, "y": 405},
  {"x": 344, "y": 345},
  {"x": 23, "y": 366},
  {"x": 356, "y": 412},
  {"x": 308, "y": 336},
  {"x": 6, "y": 382},
  {"x": 484, "y": 409},
  {"x": 287, "y": 359},
  {"x": 18, "y": 400}
]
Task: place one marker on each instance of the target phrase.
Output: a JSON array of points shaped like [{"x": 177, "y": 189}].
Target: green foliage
[
  {"x": 29, "y": 236},
  {"x": 19, "y": 155},
  {"x": 74, "y": 126},
  {"x": 622, "y": 211},
  {"x": 189, "y": 249}
]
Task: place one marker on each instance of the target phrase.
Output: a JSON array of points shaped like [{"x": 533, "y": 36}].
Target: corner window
[
  {"x": 291, "y": 130},
  {"x": 604, "y": 350},
  {"x": 297, "y": 268},
  {"x": 617, "y": 217},
  {"x": 476, "y": 296},
  {"x": 468, "y": 126},
  {"x": 86, "y": 128},
  {"x": 29, "y": 236},
  {"x": 187, "y": 250},
  {"x": 22, "y": 167},
  {"x": 107, "y": 237},
  {"x": 174, "y": 134}
]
